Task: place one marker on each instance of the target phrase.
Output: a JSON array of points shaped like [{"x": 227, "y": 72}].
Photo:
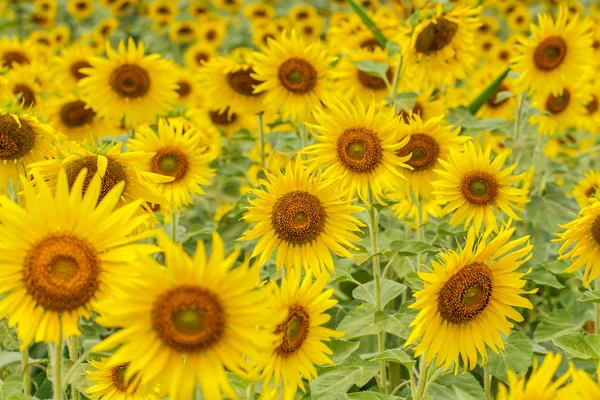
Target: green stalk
[
  {"x": 373, "y": 227},
  {"x": 364, "y": 16},
  {"x": 57, "y": 387},
  {"x": 420, "y": 230},
  {"x": 597, "y": 311},
  {"x": 487, "y": 93},
  {"x": 261, "y": 139},
  {"x": 174, "y": 222},
  {"x": 422, "y": 380},
  {"x": 396, "y": 80},
  {"x": 487, "y": 382},
  {"x": 74, "y": 356},
  {"x": 250, "y": 391},
  {"x": 26, "y": 372}
]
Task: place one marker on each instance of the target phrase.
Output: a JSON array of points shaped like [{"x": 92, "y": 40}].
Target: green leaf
[
  {"x": 542, "y": 276},
  {"x": 517, "y": 357},
  {"x": 9, "y": 357},
  {"x": 503, "y": 96},
  {"x": 444, "y": 388},
  {"x": 412, "y": 248},
  {"x": 397, "y": 356},
  {"x": 375, "y": 68},
  {"x": 578, "y": 346},
  {"x": 591, "y": 296},
  {"x": 392, "y": 48},
  {"x": 364, "y": 16},
  {"x": 335, "y": 382},
  {"x": 392, "y": 324},
  {"x": 405, "y": 101},
  {"x": 371, "y": 396},
  {"x": 359, "y": 322},
  {"x": 13, "y": 385},
  {"x": 461, "y": 117},
  {"x": 556, "y": 324},
  {"x": 445, "y": 229},
  {"x": 342, "y": 349},
  {"x": 343, "y": 270},
  {"x": 389, "y": 291},
  {"x": 487, "y": 93}
]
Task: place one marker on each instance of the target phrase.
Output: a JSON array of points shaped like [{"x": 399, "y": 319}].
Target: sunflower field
[{"x": 286, "y": 199}]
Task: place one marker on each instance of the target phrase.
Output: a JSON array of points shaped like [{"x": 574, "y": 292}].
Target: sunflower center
[
  {"x": 298, "y": 217},
  {"x": 171, "y": 162},
  {"x": 359, "y": 149},
  {"x": 118, "y": 379},
  {"x": 436, "y": 36},
  {"x": 466, "y": 294},
  {"x": 222, "y": 118},
  {"x": 130, "y": 81},
  {"x": 374, "y": 82},
  {"x": 591, "y": 191},
  {"x": 416, "y": 110},
  {"x": 75, "y": 114},
  {"x": 424, "y": 149},
  {"x": 188, "y": 318},
  {"x": 15, "y": 141},
  {"x": 114, "y": 173},
  {"x": 27, "y": 94},
  {"x": 293, "y": 330},
  {"x": 183, "y": 88},
  {"x": 550, "y": 53},
  {"x": 492, "y": 101},
  {"x": 61, "y": 271},
  {"x": 242, "y": 82},
  {"x": 557, "y": 104},
  {"x": 592, "y": 106},
  {"x": 297, "y": 75},
  {"x": 370, "y": 44},
  {"x": 479, "y": 188},
  {"x": 10, "y": 57},
  {"x": 595, "y": 230},
  {"x": 201, "y": 58}
]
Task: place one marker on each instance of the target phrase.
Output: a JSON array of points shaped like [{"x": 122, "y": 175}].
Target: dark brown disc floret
[
  {"x": 297, "y": 75},
  {"x": 298, "y": 217}
]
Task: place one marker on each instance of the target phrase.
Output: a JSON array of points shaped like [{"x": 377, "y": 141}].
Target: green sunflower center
[
  {"x": 188, "y": 318},
  {"x": 170, "y": 161},
  {"x": 479, "y": 188},
  {"x": 75, "y": 114},
  {"x": 15, "y": 141},
  {"x": 115, "y": 173},
  {"x": 130, "y": 81},
  {"x": 242, "y": 82},
  {"x": 61, "y": 272},
  {"x": 298, "y": 217},
  {"x": 424, "y": 151},
  {"x": 557, "y": 104},
  {"x": 436, "y": 36},
  {"x": 294, "y": 330},
  {"x": 359, "y": 149},
  {"x": 466, "y": 294},
  {"x": 550, "y": 53},
  {"x": 297, "y": 75}
]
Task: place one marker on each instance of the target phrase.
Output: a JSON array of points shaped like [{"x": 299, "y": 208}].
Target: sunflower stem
[
  {"x": 420, "y": 230},
  {"x": 373, "y": 228},
  {"x": 261, "y": 138},
  {"x": 413, "y": 388},
  {"x": 250, "y": 391},
  {"x": 396, "y": 79},
  {"x": 597, "y": 311},
  {"x": 538, "y": 155},
  {"x": 57, "y": 386},
  {"x": 74, "y": 355},
  {"x": 26, "y": 371},
  {"x": 174, "y": 222},
  {"x": 487, "y": 382},
  {"x": 422, "y": 379}
]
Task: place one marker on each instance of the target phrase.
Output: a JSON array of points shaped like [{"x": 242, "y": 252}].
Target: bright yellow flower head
[{"x": 109, "y": 382}]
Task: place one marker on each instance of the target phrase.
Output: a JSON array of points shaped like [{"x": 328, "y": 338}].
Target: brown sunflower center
[
  {"x": 222, "y": 117},
  {"x": 113, "y": 175},
  {"x": 492, "y": 101},
  {"x": 592, "y": 106},
  {"x": 10, "y": 57},
  {"x": 595, "y": 230},
  {"x": 416, "y": 110},
  {"x": 61, "y": 271},
  {"x": 591, "y": 191},
  {"x": 170, "y": 161},
  {"x": 359, "y": 149},
  {"x": 201, "y": 58},
  {"x": 298, "y": 217},
  {"x": 557, "y": 104},
  {"x": 466, "y": 294},
  {"x": 436, "y": 36},
  {"x": 26, "y": 92},
  {"x": 130, "y": 80},
  {"x": 15, "y": 141},
  {"x": 479, "y": 188},
  {"x": 242, "y": 82},
  {"x": 424, "y": 149},
  {"x": 117, "y": 375},
  {"x": 374, "y": 82},
  {"x": 550, "y": 53},
  {"x": 188, "y": 318},
  {"x": 370, "y": 44},
  {"x": 75, "y": 114},
  {"x": 185, "y": 30},
  {"x": 183, "y": 88},
  {"x": 293, "y": 330},
  {"x": 297, "y": 75}
]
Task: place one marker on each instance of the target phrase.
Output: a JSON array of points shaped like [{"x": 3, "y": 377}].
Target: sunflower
[
  {"x": 305, "y": 217},
  {"x": 21, "y": 82},
  {"x": 311, "y": 29},
  {"x": 200, "y": 9},
  {"x": 129, "y": 84},
  {"x": 60, "y": 36},
  {"x": 476, "y": 189},
  {"x": 72, "y": 117},
  {"x": 294, "y": 75},
  {"x": 162, "y": 11},
  {"x": 494, "y": 107},
  {"x": 300, "y": 308},
  {"x": 428, "y": 142},
  {"x": 259, "y": 12},
  {"x": 467, "y": 297},
  {"x": 177, "y": 153},
  {"x": 5, "y": 94},
  {"x": 12, "y": 52},
  {"x": 519, "y": 20},
  {"x": 585, "y": 190},
  {"x": 499, "y": 58},
  {"x": 360, "y": 145},
  {"x": 113, "y": 167},
  {"x": 196, "y": 55},
  {"x": 212, "y": 31},
  {"x": 94, "y": 41},
  {"x": 211, "y": 137},
  {"x": 107, "y": 27},
  {"x": 354, "y": 83},
  {"x": 263, "y": 31},
  {"x": 109, "y": 382},
  {"x": 539, "y": 385},
  {"x": 591, "y": 119},
  {"x": 302, "y": 13},
  {"x": 188, "y": 87},
  {"x": 67, "y": 68},
  {"x": 228, "y": 5},
  {"x": 442, "y": 48},
  {"x": 62, "y": 254},
  {"x": 225, "y": 121},
  {"x": 555, "y": 55},
  {"x": 582, "y": 238},
  {"x": 563, "y": 109},
  {"x": 582, "y": 386},
  {"x": 23, "y": 139},
  {"x": 428, "y": 104},
  {"x": 230, "y": 83},
  {"x": 186, "y": 322},
  {"x": 80, "y": 9},
  {"x": 405, "y": 208},
  {"x": 183, "y": 31}
]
